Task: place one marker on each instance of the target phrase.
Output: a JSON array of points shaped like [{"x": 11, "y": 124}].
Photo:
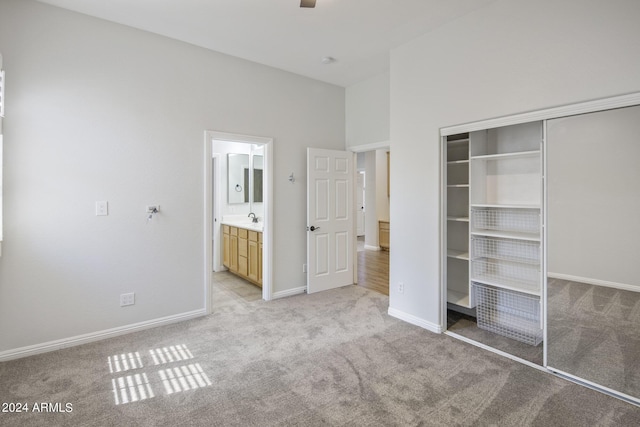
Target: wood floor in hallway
[{"x": 373, "y": 270}]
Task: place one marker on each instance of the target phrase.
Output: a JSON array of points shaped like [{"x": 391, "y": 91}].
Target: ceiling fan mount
[{"x": 307, "y": 3}]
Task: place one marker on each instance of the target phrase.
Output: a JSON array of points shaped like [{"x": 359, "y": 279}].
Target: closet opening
[{"x": 493, "y": 238}]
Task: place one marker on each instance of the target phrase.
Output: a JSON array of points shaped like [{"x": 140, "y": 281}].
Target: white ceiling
[{"x": 278, "y": 33}]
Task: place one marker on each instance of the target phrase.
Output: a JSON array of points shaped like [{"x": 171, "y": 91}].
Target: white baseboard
[
  {"x": 96, "y": 336},
  {"x": 289, "y": 292},
  {"x": 596, "y": 282},
  {"x": 372, "y": 248},
  {"x": 410, "y": 318}
]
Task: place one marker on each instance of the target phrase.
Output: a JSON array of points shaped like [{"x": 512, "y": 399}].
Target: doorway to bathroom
[{"x": 238, "y": 196}]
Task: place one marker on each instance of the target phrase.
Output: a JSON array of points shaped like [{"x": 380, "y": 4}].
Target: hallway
[{"x": 373, "y": 270}]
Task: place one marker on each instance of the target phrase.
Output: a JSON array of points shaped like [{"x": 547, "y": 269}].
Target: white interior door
[{"x": 330, "y": 219}]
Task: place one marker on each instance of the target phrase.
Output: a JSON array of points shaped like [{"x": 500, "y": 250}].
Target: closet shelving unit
[
  {"x": 494, "y": 228},
  {"x": 457, "y": 228},
  {"x": 506, "y": 229}
]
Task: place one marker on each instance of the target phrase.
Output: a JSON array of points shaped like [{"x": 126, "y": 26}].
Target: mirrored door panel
[{"x": 593, "y": 250}]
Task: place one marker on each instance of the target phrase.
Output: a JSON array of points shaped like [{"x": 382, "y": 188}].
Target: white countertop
[{"x": 244, "y": 224}]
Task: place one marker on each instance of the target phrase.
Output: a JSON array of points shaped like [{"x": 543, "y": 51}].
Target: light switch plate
[{"x": 102, "y": 208}]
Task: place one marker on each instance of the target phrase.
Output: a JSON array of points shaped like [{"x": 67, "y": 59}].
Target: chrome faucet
[{"x": 255, "y": 218}]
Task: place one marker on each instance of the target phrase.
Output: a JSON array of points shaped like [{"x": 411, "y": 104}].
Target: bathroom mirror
[
  {"x": 593, "y": 255},
  {"x": 238, "y": 178},
  {"x": 257, "y": 178}
]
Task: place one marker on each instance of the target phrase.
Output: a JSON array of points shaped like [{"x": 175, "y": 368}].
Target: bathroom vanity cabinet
[
  {"x": 242, "y": 252},
  {"x": 383, "y": 234}
]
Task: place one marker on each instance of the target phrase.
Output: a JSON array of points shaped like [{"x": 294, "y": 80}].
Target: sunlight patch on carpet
[{"x": 172, "y": 379}]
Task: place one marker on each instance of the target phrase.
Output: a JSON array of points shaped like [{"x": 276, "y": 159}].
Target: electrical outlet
[
  {"x": 127, "y": 299},
  {"x": 401, "y": 288}
]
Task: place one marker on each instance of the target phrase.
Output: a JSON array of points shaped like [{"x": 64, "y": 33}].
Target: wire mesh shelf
[
  {"x": 508, "y": 313},
  {"x": 524, "y": 277},
  {"x": 506, "y": 249},
  {"x": 506, "y": 219}
]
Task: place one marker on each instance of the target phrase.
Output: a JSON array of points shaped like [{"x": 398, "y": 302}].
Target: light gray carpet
[
  {"x": 594, "y": 333},
  {"x": 333, "y": 358},
  {"x": 467, "y": 327}
]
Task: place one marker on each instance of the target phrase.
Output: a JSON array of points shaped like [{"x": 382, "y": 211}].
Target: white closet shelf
[
  {"x": 458, "y": 141},
  {"x": 458, "y": 218},
  {"x": 501, "y": 156},
  {"x": 458, "y": 298},
  {"x": 454, "y": 253},
  {"x": 511, "y": 285},
  {"x": 458, "y": 162},
  {"x": 458, "y": 186},
  {"x": 507, "y": 235}
]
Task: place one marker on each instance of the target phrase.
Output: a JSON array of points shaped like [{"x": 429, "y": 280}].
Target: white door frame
[
  {"x": 267, "y": 235},
  {"x": 216, "y": 188}
]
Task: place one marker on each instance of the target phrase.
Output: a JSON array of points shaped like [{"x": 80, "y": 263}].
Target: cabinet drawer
[
  {"x": 233, "y": 231},
  {"x": 225, "y": 229},
  {"x": 242, "y": 233},
  {"x": 253, "y": 236}
]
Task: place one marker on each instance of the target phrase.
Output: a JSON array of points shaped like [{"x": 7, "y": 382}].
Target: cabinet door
[
  {"x": 253, "y": 261},
  {"x": 233, "y": 253},
  {"x": 260, "y": 262},
  {"x": 226, "y": 249},
  {"x": 243, "y": 266},
  {"x": 383, "y": 234}
]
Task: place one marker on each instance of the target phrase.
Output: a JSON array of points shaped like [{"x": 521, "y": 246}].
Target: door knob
[{"x": 314, "y": 228}]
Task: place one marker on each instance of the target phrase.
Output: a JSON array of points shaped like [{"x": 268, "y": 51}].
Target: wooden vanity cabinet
[
  {"x": 242, "y": 252},
  {"x": 253, "y": 257},
  {"x": 383, "y": 234}
]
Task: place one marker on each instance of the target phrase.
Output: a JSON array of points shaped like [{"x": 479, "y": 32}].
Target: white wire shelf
[
  {"x": 507, "y": 275},
  {"x": 458, "y": 218},
  {"x": 532, "y": 237},
  {"x": 506, "y": 219},
  {"x": 510, "y": 314},
  {"x": 521, "y": 251},
  {"x": 504, "y": 206}
]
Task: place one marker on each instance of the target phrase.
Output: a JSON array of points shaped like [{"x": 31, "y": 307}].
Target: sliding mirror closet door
[{"x": 593, "y": 249}]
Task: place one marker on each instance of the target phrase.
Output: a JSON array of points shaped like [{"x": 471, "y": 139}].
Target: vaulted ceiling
[{"x": 358, "y": 34}]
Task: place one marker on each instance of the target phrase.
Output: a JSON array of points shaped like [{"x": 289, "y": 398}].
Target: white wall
[
  {"x": 367, "y": 111},
  {"x": 99, "y": 111},
  {"x": 512, "y": 56}
]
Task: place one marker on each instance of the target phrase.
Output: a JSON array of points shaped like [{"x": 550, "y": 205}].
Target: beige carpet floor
[{"x": 334, "y": 358}]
